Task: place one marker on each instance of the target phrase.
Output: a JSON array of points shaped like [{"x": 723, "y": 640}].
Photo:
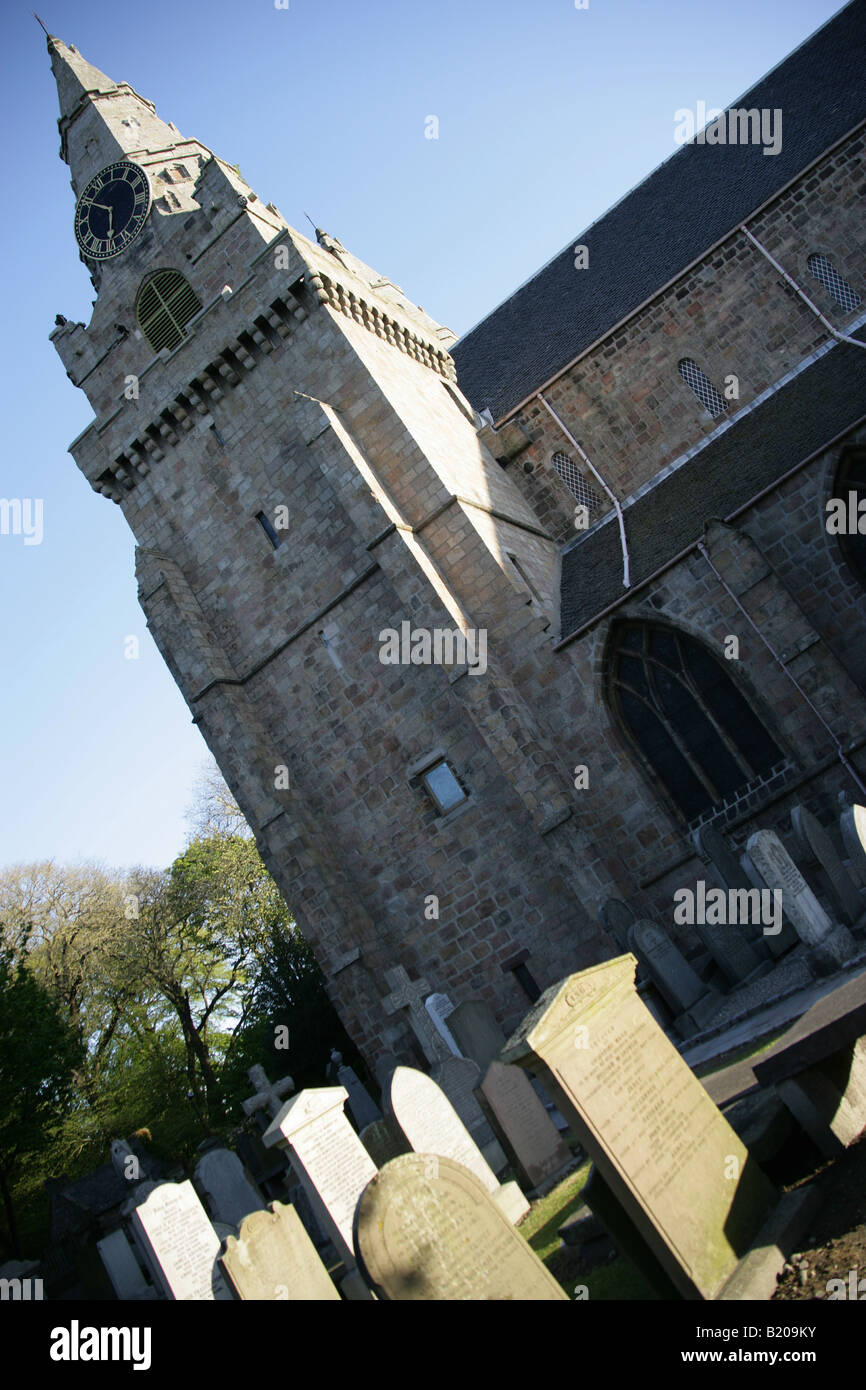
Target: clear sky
[{"x": 547, "y": 115}]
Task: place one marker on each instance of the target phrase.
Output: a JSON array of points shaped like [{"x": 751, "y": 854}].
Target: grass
[{"x": 548, "y": 1213}]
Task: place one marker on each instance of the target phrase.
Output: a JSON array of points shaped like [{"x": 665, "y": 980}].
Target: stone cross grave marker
[
  {"x": 815, "y": 844},
  {"x": 680, "y": 1173},
  {"x": 833, "y": 945},
  {"x": 852, "y": 823},
  {"x": 530, "y": 1136},
  {"x": 230, "y": 1195},
  {"x": 267, "y": 1097},
  {"x": 410, "y": 995},
  {"x": 439, "y": 1007},
  {"x": 432, "y": 1126},
  {"x": 331, "y": 1162},
  {"x": 427, "y": 1230},
  {"x": 180, "y": 1245},
  {"x": 272, "y": 1257}
]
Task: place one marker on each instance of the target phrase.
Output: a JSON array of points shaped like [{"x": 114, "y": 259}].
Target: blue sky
[{"x": 547, "y": 115}]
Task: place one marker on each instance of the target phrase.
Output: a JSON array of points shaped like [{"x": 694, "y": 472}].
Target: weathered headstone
[
  {"x": 123, "y": 1269},
  {"x": 780, "y": 943},
  {"x": 410, "y": 995},
  {"x": 432, "y": 1126},
  {"x": 180, "y": 1245},
  {"x": 852, "y": 823},
  {"x": 267, "y": 1096},
  {"x": 673, "y": 1163},
  {"x": 831, "y": 945},
  {"x": 272, "y": 1257},
  {"x": 426, "y": 1230},
  {"x": 328, "y": 1157},
  {"x": 530, "y": 1137},
  {"x": 439, "y": 1007},
  {"x": 477, "y": 1032},
  {"x": 230, "y": 1195},
  {"x": 384, "y": 1140},
  {"x": 459, "y": 1078},
  {"x": 686, "y": 993},
  {"x": 815, "y": 845},
  {"x": 362, "y": 1107}
]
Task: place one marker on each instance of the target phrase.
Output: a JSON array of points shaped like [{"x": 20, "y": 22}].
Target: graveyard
[{"x": 646, "y": 1133}]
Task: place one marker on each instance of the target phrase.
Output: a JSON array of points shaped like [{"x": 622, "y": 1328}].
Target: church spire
[{"x": 101, "y": 120}]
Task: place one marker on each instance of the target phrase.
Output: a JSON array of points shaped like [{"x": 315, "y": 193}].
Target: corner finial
[{"x": 39, "y": 21}]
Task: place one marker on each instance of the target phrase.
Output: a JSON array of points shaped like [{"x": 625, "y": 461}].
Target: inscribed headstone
[
  {"x": 477, "y": 1032},
  {"x": 426, "y": 1230},
  {"x": 815, "y": 844},
  {"x": 273, "y": 1258},
  {"x": 328, "y": 1157},
  {"x": 672, "y": 974},
  {"x": 179, "y": 1243},
  {"x": 384, "y": 1140},
  {"x": 432, "y": 1126},
  {"x": 123, "y": 1269},
  {"x": 459, "y": 1078},
  {"x": 832, "y": 944},
  {"x": 669, "y": 1156},
  {"x": 531, "y": 1138}
]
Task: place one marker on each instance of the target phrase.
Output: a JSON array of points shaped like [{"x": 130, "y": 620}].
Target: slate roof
[
  {"x": 684, "y": 207},
  {"x": 822, "y": 401}
]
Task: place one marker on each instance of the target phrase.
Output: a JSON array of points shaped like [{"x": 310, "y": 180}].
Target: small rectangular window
[
  {"x": 443, "y": 787},
  {"x": 273, "y": 535}
]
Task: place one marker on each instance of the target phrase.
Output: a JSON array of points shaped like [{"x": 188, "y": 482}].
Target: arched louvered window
[
  {"x": 702, "y": 387},
  {"x": 686, "y": 717},
  {"x": 851, "y": 478},
  {"x": 835, "y": 284},
  {"x": 164, "y": 306},
  {"x": 574, "y": 480}
]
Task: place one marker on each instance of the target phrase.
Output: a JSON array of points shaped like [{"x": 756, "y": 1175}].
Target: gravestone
[
  {"x": 787, "y": 938},
  {"x": 831, "y": 946},
  {"x": 530, "y": 1137},
  {"x": 815, "y": 845},
  {"x": 852, "y": 823},
  {"x": 431, "y": 1125},
  {"x": 220, "y": 1176},
  {"x": 617, "y": 919},
  {"x": 384, "y": 1140},
  {"x": 682, "y": 1177},
  {"x": 179, "y": 1244},
  {"x": 362, "y": 1107},
  {"x": 426, "y": 1230},
  {"x": 123, "y": 1269},
  {"x": 459, "y": 1078},
  {"x": 328, "y": 1157},
  {"x": 410, "y": 995},
  {"x": 272, "y": 1257},
  {"x": 691, "y": 1000},
  {"x": 439, "y": 1007},
  {"x": 476, "y": 1032},
  {"x": 267, "y": 1097}
]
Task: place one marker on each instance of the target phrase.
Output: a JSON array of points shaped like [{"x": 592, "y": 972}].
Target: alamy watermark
[
  {"x": 438, "y": 646},
  {"x": 719, "y": 907},
  {"x": 22, "y": 516},
  {"x": 738, "y": 126}
]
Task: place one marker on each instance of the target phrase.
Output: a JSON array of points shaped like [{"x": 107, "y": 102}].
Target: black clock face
[{"x": 112, "y": 210}]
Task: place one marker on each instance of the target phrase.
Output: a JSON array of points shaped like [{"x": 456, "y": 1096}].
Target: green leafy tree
[{"x": 39, "y": 1054}]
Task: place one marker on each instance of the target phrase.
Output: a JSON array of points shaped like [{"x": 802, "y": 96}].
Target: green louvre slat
[{"x": 165, "y": 304}]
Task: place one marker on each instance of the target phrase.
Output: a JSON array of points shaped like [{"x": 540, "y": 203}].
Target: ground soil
[{"x": 836, "y": 1242}]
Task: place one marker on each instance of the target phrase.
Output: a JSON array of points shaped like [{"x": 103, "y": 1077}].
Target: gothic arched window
[
  {"x": 703, "y": 388},
  {"x": 686, "y": 717},
  {"x": 851, "y": 478},
  {"x": 565, "y": 467},
  {"x": 835, "y": 284},
  {"x": 164, "y": 305}
]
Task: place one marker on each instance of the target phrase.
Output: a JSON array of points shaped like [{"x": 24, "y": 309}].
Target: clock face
[{"x": 112, "y": 210}]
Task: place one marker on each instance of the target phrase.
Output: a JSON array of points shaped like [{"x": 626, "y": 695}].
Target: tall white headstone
[{"x": 179, "y": 1243}]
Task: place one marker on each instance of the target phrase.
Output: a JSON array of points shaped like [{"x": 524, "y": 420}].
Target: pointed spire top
[{"x": 75, "y": 77}]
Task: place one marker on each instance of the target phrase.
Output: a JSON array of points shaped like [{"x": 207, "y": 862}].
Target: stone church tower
[{"x": 470, "y": 681}]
